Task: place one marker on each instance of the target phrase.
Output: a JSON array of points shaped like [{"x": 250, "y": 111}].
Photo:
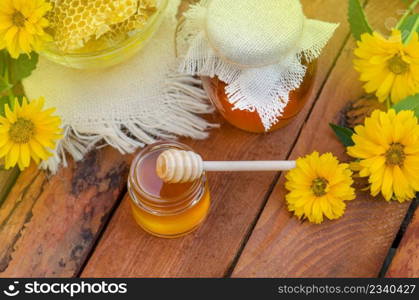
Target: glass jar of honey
[
  {"x": 250, "y": 120},
  {"x": 254, "y": 54},
  {"x": 164, "y": 209}
]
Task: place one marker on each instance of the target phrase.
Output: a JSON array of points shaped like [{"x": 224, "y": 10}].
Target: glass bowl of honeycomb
[{"x": 92, "y": 34}]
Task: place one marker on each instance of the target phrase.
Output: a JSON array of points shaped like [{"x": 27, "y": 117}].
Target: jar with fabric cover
[{"x": 257, "y": 58}]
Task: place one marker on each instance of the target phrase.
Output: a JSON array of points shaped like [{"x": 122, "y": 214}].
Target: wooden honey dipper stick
[{"x": 178, "y": 166}]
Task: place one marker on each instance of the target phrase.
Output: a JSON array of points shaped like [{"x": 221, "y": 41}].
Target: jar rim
[
  {"x": 189, "y": 198},
  {"x": 115, "y": 48}
]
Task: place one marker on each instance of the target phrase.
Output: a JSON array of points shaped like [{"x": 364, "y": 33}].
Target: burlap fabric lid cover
[{"x": 255, "y": 46}]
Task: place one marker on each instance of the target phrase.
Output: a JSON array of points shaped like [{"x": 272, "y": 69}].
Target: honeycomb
[
  {"x": 77, "y": 23},
  {"x": 134, "y": 22}
]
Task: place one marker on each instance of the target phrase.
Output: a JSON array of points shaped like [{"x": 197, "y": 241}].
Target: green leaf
[
  {"x": 344, "y": 134},
  {"x": 3, "y": 101},
  {"x": 4, "y": 85},
  {"x": 357, "y": 19},
  {"x": 409, "y": 103},
  {"x": 409, "y": 26},
  {"x": 23, "y": 66}
]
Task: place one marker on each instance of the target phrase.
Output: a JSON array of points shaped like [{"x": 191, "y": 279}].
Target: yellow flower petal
[
  {"x": 25, "y": 156},
  {"x": 395, "y": 171},
  {"x": 318, "y": 187},
  {"x": 4, "y": 150},
  {"x": 24, "y": 36},
  {"x": 389, "y": 68},
  {"x": 25, "y": 126},
  {"x": 13, "y": 156}
]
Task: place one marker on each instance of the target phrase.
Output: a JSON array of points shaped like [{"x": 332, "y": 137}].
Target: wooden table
[{"x": 78, "y": 222}]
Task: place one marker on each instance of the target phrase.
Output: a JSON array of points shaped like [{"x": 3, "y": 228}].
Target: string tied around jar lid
[{"x": 257, "y": 47}]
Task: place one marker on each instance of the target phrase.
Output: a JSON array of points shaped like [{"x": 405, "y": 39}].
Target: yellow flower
[
  {"x": 318, "y": 187},
  {"x": 28, "y": 131},
  {"x": 389, "y": 67},
  {"x": 388, "y": 146},
  {"x": 22, "y": 25}
]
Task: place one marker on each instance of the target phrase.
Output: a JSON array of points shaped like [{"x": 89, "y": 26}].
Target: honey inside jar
[
  {"x": 250, "y": 121},
  {"x": 165, "y": 209}
]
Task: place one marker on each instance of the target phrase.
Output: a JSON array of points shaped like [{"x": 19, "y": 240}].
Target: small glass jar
[
  {"x": 104, "y": 58},
  {"x": 163, "y": 209},
  {"x": 250, "y": 121}
]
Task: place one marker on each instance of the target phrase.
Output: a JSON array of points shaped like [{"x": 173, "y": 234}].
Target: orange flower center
[
  {"x": 395, "y": 155},
  {"x": 397, "y": 65},
  {"x": 18, "y": 19},
  {"x": 22, "y": 131},
  {"x": 318, "y": 186}
]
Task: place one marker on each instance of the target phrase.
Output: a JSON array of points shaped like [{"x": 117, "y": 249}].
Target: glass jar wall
[
  {"x": 250, "y": 121},
  {"x": 95, "y": 56},
  {"x": 163, "y": 209}
]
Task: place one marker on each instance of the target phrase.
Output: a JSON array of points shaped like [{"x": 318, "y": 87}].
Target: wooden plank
[
  {"x": 49, "y": 225},
  {"x": 405, "y": 263},
  {"x": 125, "y": 250},
  {"x": 355, "y": 245}
]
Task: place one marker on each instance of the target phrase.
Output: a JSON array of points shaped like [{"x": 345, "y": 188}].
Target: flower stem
[
  {"x": 9, "y": 91},
  {"x": 409, "y": 37},
  {"x": 407, "y": 13}
]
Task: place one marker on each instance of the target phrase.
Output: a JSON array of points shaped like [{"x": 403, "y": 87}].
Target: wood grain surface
[
  {"x": 353, "y": 246},
  {"x": 405, "y": 262},
  {"x": 48, "y": 225},
  {"x": 237, "y": 199}
]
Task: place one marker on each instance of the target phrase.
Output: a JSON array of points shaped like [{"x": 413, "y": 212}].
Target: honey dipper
[{"x": 179, "y": 166}]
